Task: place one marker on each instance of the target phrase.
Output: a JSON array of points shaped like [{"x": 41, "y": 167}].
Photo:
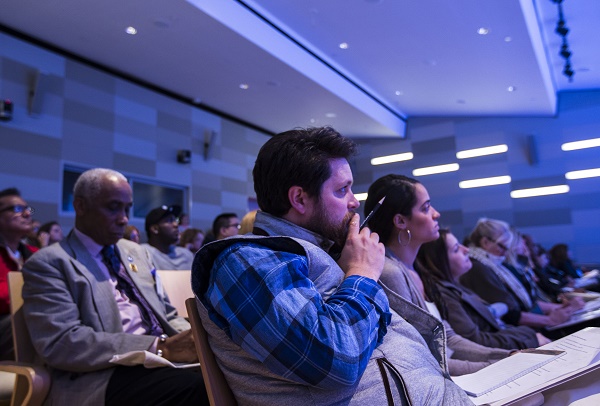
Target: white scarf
[{"x": 510, "y": 281}]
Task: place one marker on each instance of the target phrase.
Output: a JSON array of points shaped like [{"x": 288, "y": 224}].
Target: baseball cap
[{"x": 159, "y": 213}]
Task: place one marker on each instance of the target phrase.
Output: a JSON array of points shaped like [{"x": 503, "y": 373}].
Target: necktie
[{"x": 125, "y": 285}]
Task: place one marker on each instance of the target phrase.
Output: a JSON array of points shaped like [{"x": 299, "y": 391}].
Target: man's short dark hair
[
  {"x": 222, "y": 220},
  {"x": 299, "y": 157},
  {"x": 11, "y": 191}
]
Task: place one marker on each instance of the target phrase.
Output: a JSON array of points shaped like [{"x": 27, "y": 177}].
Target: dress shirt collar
[{"x": 92, "y": 246}]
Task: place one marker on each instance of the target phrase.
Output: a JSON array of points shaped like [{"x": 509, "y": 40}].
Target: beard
[{"x": 324, "y": 225}]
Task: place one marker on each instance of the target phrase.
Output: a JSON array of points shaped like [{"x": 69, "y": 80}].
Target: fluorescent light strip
[
  {"x": 472, "y": 153},
  {"x": 432, "y": 170},
  {"x": 586, "y": 173},
  {"x": 571, "y": 146},
  {"x": 388, "y": 159},
  {"x": 496, "y": 180},
  {"x": 361, "y": 196},
  {"x": 540, "y": 191}
]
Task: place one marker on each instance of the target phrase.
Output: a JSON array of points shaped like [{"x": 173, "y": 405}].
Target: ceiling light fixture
[
  {"x": 481, "y": 182},
  {"x": 131, "y": 30},
  {"x": 244, "y": 86},
  {"x": 539, "y": 191},
  {"x": 344, "y": 45},
  {"x": 388, "y": 159},
  {"x": 583, "y": 144},
  {"x": 361, "y": 196},
  {"x": 585, "y": 173},
  {"x": 472, "y": 153},
  {"x": 483, "y": 31},
  {"x": 562, "y": 30},
  {"x": 433, "y": 170},
  {"x": 511, "y": 88}
]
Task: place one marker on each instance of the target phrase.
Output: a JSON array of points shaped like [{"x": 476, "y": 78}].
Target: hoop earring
[{"x": 409, "y": 237}]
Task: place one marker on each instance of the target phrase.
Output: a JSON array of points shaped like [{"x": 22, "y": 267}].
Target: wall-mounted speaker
[
  {"x": 532, "y": 150},
  {"x": 210, "y": 139},
  {"x": 184, "y": 156},
  {"x": 35, "y": 96}
]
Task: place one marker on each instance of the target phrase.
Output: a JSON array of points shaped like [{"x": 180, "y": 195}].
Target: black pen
[{"x": 377, "y": 206}]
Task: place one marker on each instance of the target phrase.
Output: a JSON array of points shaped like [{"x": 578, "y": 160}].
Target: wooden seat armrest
[{"x": 32, "y": 383}]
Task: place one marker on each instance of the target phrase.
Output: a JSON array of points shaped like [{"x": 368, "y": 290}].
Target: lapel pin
[
  {"x": 133, "y": 267},
  {"x": 129, "y": 258}
]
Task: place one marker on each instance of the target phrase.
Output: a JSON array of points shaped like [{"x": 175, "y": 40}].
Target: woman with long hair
[
  {"x": 404, "y": 221},
  {"x": 440, "y": 264}
]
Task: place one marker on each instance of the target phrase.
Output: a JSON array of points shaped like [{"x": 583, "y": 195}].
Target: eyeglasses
[
  {"x": 236, "y": 225},
  {"x": 18, "y": 208}
]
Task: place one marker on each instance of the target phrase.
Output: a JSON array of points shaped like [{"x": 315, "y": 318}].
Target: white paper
[
  {"x": 148, "y": 360},
  {"x": 582, "y": 349}
]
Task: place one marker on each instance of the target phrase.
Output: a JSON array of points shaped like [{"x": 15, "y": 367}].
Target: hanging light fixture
[{"x": 563, "y": 31}]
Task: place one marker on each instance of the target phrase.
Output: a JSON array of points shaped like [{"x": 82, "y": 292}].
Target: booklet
[
  {"x": 581, "y": 356},
  {"x": 148, "y": 360},
  {"x": 504, "y": 371}
]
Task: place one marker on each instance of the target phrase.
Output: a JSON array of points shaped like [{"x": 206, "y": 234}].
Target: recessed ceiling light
[
  {"x": 244, "y": 86},
  {"x": 585, "y": 173},
  {"x": 472, "y": 153},
  {"x": 583, "y": 144},
  {"x": 511, "y": 88},
  {"x": 361, "y": 196},
  {"x": 482, "y": 182},
  {"x": 433, "y": 170},
  {"x": 539, "y": 191},
  {"x": 312, "y": 120},
  {"x": 399, "y": 92},
  {"x": 388, "y": 159},
  {"x": 483, "y": 31},
  {"x": 330, "y": 115},
  {"x": 507, "y": 39},
  {"x": 344, "y": 45},
  {"x": 131, "y": 30}
]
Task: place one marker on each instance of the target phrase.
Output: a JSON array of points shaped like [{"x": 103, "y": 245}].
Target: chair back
[
  {"x": 178, "y": 286},
  {"x": 24, "y": 351},
  {"x": 32, "y": 382},
  {"x": 219, "y": 393}
]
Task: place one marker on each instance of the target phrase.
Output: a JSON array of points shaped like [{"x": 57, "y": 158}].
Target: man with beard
[
  {"x": 288, "y": 322},
  {"x": 162, "y": 229}
]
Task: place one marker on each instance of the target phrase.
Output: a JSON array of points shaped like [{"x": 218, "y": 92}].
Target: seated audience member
[
  {"x": 405, "y": 220},
  {"x": 49, "y": 233},
  {"x": 491, "y": 280},
  {"x": 226, "y": 225},
  {"x": 552, "y": 280},
  {"x": 247, "y": 222},
  {"x": 192, "y": 239},
  {"x": 132, "y": 234},
  {"x": 15, "y": 224},
  {"x": 287, "y": 323},
  {"x": 184, "y": 222},
  {"x": 440, "y": 264},
  {"x": 162, "y": 229},
  {"x": 560, "y": 257},
  {"x": 92, "y": 296}
]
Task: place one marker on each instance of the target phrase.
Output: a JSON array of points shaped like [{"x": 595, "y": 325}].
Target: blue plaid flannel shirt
[{"x": 266, "y": 304}]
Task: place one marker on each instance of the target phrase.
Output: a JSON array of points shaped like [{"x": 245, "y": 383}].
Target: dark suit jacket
[{"x": 74, "y": 321}]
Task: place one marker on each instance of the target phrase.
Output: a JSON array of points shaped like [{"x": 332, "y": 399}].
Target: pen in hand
[{"x": 366, "y": 220}]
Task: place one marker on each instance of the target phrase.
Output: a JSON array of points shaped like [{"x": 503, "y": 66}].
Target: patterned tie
[{"x": 125, "y": 285}]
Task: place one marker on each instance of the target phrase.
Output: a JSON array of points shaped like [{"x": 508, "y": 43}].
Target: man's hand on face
[{"x": 363, "y": 254}]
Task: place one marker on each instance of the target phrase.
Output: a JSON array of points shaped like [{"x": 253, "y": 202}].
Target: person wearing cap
[
  {"x": 162, "y": 229},
  {"x": 92, "y": 296}
]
